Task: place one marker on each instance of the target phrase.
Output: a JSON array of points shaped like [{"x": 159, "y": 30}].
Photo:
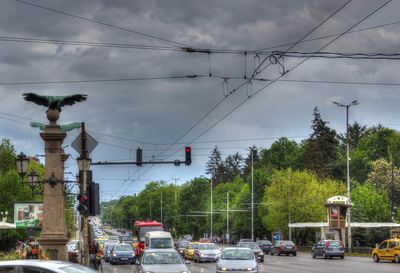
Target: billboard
[{"x": 28, "y": 215}]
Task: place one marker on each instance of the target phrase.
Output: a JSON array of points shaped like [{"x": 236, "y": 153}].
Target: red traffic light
[
  {"x": 188, "y": 156},
  {"x": 82, "y": 198}
]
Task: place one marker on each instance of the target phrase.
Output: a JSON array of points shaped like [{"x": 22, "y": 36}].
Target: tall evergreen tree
[
  {"x": 321, "y": 149},
  {"x": 247, "y": 162},
  {"x": 356, "y": 132},
  {"x": 232, "y": 167},
  {"x": 215, "y": 167}
]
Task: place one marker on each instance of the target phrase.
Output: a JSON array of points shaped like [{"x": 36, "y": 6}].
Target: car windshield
[
  {"x": 123, "y": 248},
  {"x": 249, "y": 245},
  {"x": 183, "y": 244},
  {"x": 144, "y": 230},
  {"x": 265, "y": 243},
  {"x": 286, "y": 243},
  {"x": 77, "y": 269},
  {"x": 207, "y": 246},
  {"x": 161, "y": 243},
  {"x": 237, "y": 254},
  {"x": 162, "y": 258}
]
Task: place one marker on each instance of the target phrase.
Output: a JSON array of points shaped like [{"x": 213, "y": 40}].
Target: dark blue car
[
  {"x": 122, "y": 253},
  {"x": 265, "y": 245}
]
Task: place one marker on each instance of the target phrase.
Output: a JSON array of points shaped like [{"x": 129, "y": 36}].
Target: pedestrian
[{"x": 33, "y": 250}]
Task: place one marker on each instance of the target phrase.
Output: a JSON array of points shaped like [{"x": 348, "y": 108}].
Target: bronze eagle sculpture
[{"x": 54, "y": 102}]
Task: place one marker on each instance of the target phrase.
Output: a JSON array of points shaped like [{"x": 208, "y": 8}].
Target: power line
[
  {"x": 277, "y": 78},
  {"x": 177, "y": 44}
]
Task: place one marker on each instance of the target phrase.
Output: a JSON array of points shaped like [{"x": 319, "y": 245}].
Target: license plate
[{"x": 124, "y": 259}]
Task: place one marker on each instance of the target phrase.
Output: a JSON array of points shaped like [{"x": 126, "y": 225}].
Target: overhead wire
[
  {"x": 280, "y": 76},
  {"x": 174, "y": 43}
]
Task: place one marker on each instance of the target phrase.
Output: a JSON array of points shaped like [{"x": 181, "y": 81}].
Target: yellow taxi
[
  {"x": 387, "y": 250},
  {"x": 189, "y": 251}
]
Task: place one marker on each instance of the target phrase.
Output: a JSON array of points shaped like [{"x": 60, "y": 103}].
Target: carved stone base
[{"x": 55, "y": 246}]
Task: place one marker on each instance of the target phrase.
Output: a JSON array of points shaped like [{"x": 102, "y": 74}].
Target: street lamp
[
  {"x": 347, "y": 106},
  {"x": 4, "y": 215},
  {"x": 33, "y": 179},
  {"x": 22, "y": 162}
]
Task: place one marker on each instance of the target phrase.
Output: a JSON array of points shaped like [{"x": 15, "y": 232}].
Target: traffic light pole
[{"x": 85, "y": 164}]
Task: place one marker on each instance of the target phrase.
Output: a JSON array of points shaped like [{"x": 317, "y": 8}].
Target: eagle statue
[{"x": 54, "y": 102}]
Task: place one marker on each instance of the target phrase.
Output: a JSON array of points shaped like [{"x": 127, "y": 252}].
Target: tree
[
  {"x": 7, "y": 156},
  {"x": 232, "y": 167},
  {"x": 215, "y": 167},
  {"x": 248, "y": 161},
  {"x": 321, "y": 149},
  {"x": 282, "y": 154},
  {"x": 356, "y": 133},
  {"x": 297, "y": 196}
]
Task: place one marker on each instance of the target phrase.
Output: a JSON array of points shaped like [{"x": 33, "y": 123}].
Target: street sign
[{"x": 91, "y": 143}]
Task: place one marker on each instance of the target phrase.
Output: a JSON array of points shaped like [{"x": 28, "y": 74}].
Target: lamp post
[
  {"x": 22, "y": 162},
  {"x": 347, "y": 106},
  {"x": 33, "y": 179},
  {"x": 4, "y": 215},
  {"x": 211, "y": 210}
]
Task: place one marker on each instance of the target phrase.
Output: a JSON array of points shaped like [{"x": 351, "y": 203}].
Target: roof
[
  {"x": 48, "y": 264},
  {"x": 152, "y": 250},
  {"x": 359, "y": 225},
  {"x": 158, "y": 234}
]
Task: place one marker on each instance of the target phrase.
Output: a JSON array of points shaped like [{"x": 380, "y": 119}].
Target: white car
[{"x": 49, "y": 266}]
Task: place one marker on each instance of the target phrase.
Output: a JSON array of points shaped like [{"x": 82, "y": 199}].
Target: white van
[{"x": 158, "y": 239}]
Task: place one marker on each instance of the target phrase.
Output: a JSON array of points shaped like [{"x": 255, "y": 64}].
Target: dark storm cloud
[{"x": 160, "y": 111}]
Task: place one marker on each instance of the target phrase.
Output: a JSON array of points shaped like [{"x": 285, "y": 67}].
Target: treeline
[
  {"x": 13, "y": 189},
  {"x": 291, "y": 182}
]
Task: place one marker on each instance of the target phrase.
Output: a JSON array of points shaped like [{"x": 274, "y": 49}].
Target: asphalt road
[{"x": 302, "y": 263}]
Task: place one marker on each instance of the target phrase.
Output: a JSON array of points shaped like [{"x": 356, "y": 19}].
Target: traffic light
[
  {"x": 83, "y": 203},
  {"x": 188, "y": 156},
  {"x": 139, "y": 157},
  {"x": 93, "y": 190}
]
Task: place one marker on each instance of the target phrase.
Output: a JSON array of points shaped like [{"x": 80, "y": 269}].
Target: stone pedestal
[{"x": 53, "y": 237}]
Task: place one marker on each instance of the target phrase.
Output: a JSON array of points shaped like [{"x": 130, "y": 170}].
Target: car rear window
[{"x": 335, "y": 244}]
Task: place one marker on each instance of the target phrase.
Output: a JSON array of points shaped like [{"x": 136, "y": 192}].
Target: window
[
  {"x": 7, "y": 269},
  {"x": 393, "y": 244},
  {"x": 383, "y": 245}
]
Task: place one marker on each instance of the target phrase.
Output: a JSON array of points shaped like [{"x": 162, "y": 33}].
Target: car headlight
[
  {"x": 222, "y": 268},
  {"x": 183, "y": 272},
  {"x": 149, "y": 272},
  {"x": 202, "y": 255},
  {"x": 114, "y": 254},
  {"x": 251, "y": 269},
  {"x": 133, "y": 254}
]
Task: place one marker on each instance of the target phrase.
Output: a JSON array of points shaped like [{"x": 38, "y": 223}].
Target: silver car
[
  {"x": 161, "y": 261},
  {"x": 43, "y": 266},
  {"x": 234, "y": 259},
  {"x": 206, "y": 252}
]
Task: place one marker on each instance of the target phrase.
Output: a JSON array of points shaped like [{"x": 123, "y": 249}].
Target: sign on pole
[{"x": 91, "y": 143}]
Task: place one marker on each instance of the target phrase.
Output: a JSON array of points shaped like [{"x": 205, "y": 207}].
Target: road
[{"x": 299, "y": 264}]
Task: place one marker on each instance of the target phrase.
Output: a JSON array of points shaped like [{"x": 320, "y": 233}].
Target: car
[
  {"x": 181, "y": 246},
  {"x": 328, "y": 249},
  {"x": 204, "y": 240},
  {"x": 387, "y": 250},
  {"x": 49, "y": 266},
  {"x": 188, "y": 237},
  {"x": 161, "y": 260},
  {"x": 257, "y": 251},
  {"x": 121, "y": 253},
  {"x": 245, "y": 241},
  {"x": 265, "y": 245},
  {"x": 206, "y": 252},
  {"x": 284, "y": 247},
  {"x": 113, "y": 239},
  {"x": 236, "y": 259},
  {"x": 107, "y": 251},
  {"x": 189, "y": 251},
  {"x": 125, "y": 239}
]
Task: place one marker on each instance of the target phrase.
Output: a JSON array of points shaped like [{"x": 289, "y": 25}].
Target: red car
[{"x": 204, "y": 240}]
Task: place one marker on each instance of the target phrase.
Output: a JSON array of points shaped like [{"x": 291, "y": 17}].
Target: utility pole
[
  {"x": 175, "y": 179},
  {"x": 84, "y": 163},
  {"x": 227, "y": 216},
  {"x": 211, "y": 212},
  {"x": 161, "y": 208},
  {"x": 252, "y": 196}
]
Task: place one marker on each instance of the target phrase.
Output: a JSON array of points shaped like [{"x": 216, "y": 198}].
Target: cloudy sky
[{"x": 128, "y": 57}]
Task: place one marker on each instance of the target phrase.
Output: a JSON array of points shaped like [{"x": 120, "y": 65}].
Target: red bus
[{"x": 141, "y": 227}]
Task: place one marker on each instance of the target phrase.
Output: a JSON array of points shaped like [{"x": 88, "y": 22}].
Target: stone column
[{"x": 53, "y": 237}]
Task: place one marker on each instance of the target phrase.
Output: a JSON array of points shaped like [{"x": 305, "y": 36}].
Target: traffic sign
[{"x": 91, "y": 143}]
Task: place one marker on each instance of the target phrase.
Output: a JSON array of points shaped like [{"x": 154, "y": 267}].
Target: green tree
[
  {"x": 321, "y": 149},
  {"x": 297, "y": 196},
  {"x": 215, "y": 167},
  {"x": 282, "y": 154},
  {"x": 232, "y": 167}
]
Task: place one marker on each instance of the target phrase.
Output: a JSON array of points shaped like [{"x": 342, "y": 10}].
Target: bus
[{"x": 140, "y": 228}]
